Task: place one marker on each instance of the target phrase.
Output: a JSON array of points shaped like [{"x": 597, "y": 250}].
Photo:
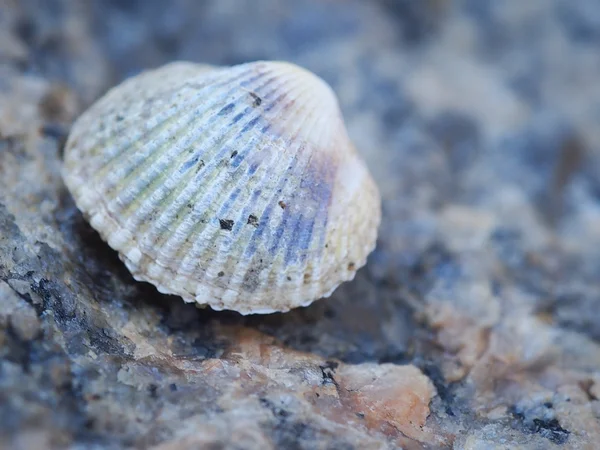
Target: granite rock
[{"x": 475, "y": 323}]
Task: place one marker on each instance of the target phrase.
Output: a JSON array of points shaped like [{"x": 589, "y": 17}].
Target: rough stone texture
[{"x": 476, "y": 323}]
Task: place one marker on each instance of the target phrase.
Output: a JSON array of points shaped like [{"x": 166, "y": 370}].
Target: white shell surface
[{"x": 236, "y": 187}]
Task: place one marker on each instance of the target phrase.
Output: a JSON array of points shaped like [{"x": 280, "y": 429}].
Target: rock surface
[{"x": 476, "y": 323}]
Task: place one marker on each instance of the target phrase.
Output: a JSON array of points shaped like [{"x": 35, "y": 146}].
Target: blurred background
[
  {"x": 517, "y": 79},
  {"x": 480, "y": 122}
]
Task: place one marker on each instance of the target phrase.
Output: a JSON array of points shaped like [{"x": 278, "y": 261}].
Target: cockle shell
[{"x": 236, "y": 187}]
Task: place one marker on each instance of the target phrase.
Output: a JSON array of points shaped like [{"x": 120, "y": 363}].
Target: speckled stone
[{"x": 474, "y": 325}]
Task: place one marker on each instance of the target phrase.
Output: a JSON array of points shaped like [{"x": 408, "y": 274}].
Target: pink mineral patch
[{"x": 388, "y": 394}]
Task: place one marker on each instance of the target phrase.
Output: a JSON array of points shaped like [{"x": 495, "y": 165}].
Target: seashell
[{"x": 234, "y": 187}]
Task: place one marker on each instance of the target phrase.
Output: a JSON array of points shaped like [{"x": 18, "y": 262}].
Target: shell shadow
[{"x": 364, "y": 320}]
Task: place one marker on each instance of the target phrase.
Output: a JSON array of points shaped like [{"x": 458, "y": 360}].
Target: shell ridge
[
  {"x": 201, "y": 135},
  {"x": 299, "y": 150},
  {"x": 263, "y": 73},
  {"x": 367, "y": 194},
  {"x": 160, "y": 136},
  {"x": 250, "y": 139},
  {"x": 321, "y": 217},
  {"x": 280, "y": 188},
  {"x": 196, "y": 136},
  {"x": 323, "y": 214},
  {"x": 174, "y": 203},
  {"x": 303, "y": 180},
  {"x": 302, "y": 219},
  {"x": 107, "y": 210},
  {"x": 255, "y": 134},
  {"x": 169, "y": 168},
  {"x": 187, "y": 229},
  {"x": 128, "y": 135},
  {"x": 143, "y": 85},
  {"x": 269, "y": 170},
  {"x": 306, "y": 245},
  {"x": 150, "y": 174},
  {"x": 279, "y": 230},
  {"x": 270, "y": 204},
  {"x": 163, "y": 124},
  {"x": 235, "y": 187},
  {"x": 266, "y": 168}
]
